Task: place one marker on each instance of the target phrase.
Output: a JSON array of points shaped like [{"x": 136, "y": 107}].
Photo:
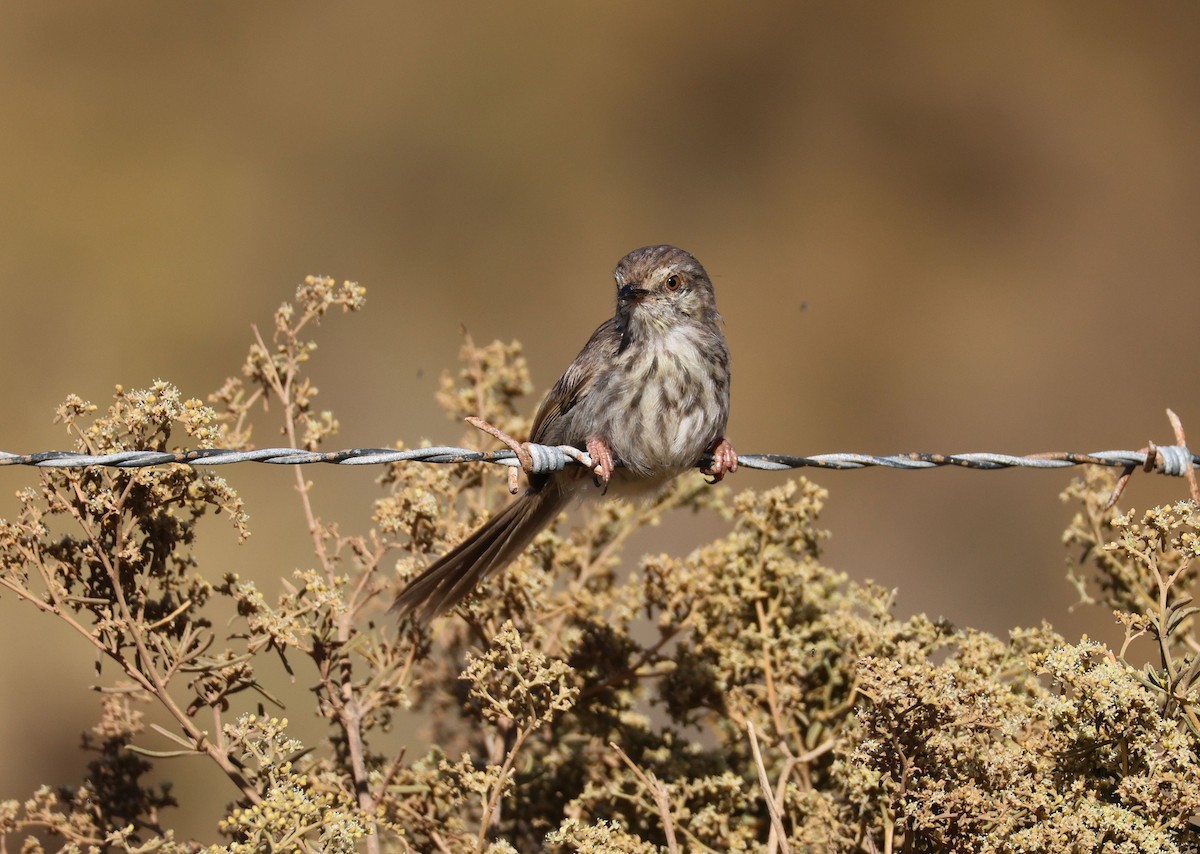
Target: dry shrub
[{"x": 741, "y": 697}]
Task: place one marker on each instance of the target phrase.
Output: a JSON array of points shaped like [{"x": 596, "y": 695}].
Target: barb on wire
[{"x": 1176, "y": 460}]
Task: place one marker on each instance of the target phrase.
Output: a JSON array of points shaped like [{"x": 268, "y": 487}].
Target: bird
[{"x": 650, "y": 389}]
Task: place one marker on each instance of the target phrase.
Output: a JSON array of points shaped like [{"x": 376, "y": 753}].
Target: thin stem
[
  {"x": 764, "y": 781},
  {"x": 341, "y": 694},
  {"x": 493, "y": 801},
  {"x": 658, "y": 791}
]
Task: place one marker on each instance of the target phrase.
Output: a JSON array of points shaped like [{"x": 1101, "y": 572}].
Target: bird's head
[{"x": 663, "y": 285}]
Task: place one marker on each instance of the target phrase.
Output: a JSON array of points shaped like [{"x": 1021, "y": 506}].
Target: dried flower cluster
[{"x": 743, "y": 697}]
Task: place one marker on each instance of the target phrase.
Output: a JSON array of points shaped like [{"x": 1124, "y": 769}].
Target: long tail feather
[{"x": 488, "y": 549}]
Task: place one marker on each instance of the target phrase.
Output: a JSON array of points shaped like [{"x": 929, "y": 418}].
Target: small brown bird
[{"x": 650, "y": 388}]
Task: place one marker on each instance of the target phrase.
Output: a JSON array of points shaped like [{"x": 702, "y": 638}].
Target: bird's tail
[{"x": 489, "y": 548}]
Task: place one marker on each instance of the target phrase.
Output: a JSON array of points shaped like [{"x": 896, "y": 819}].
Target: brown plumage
[{"x": 650, "y": 388}]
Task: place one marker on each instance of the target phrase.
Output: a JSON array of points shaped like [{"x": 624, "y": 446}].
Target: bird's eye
[{"x": 673, "y": 283}]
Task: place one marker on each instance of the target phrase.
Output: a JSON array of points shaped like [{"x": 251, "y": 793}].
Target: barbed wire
[
  {"x": 1164, "y": 459},
  {"x": 1175, "y": 460}
]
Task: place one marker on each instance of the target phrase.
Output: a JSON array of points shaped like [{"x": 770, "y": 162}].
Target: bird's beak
[{"x": 630, "y": 294}]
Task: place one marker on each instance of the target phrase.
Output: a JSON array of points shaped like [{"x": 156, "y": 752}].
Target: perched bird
[{"x": 650, "y": 388}]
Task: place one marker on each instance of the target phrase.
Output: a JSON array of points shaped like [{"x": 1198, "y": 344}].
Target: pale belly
[{"x": 665, "y": 408}]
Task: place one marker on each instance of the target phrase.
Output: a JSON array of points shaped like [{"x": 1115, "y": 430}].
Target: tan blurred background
[{"x": 942, "y": 227}]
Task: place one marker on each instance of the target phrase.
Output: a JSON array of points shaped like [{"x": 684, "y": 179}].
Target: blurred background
[{"x": 932, "y": 227}]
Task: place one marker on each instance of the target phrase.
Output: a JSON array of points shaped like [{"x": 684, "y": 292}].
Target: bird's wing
[{"x": 573, "y": 386}]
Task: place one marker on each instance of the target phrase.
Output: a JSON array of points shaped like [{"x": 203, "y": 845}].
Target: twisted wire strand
[{"x": 1175, "y": 460}]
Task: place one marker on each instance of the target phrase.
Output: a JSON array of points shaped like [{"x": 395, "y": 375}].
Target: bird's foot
[
  {"x": 725, "y": 460},
  {"x": 602, "y": 460}
]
